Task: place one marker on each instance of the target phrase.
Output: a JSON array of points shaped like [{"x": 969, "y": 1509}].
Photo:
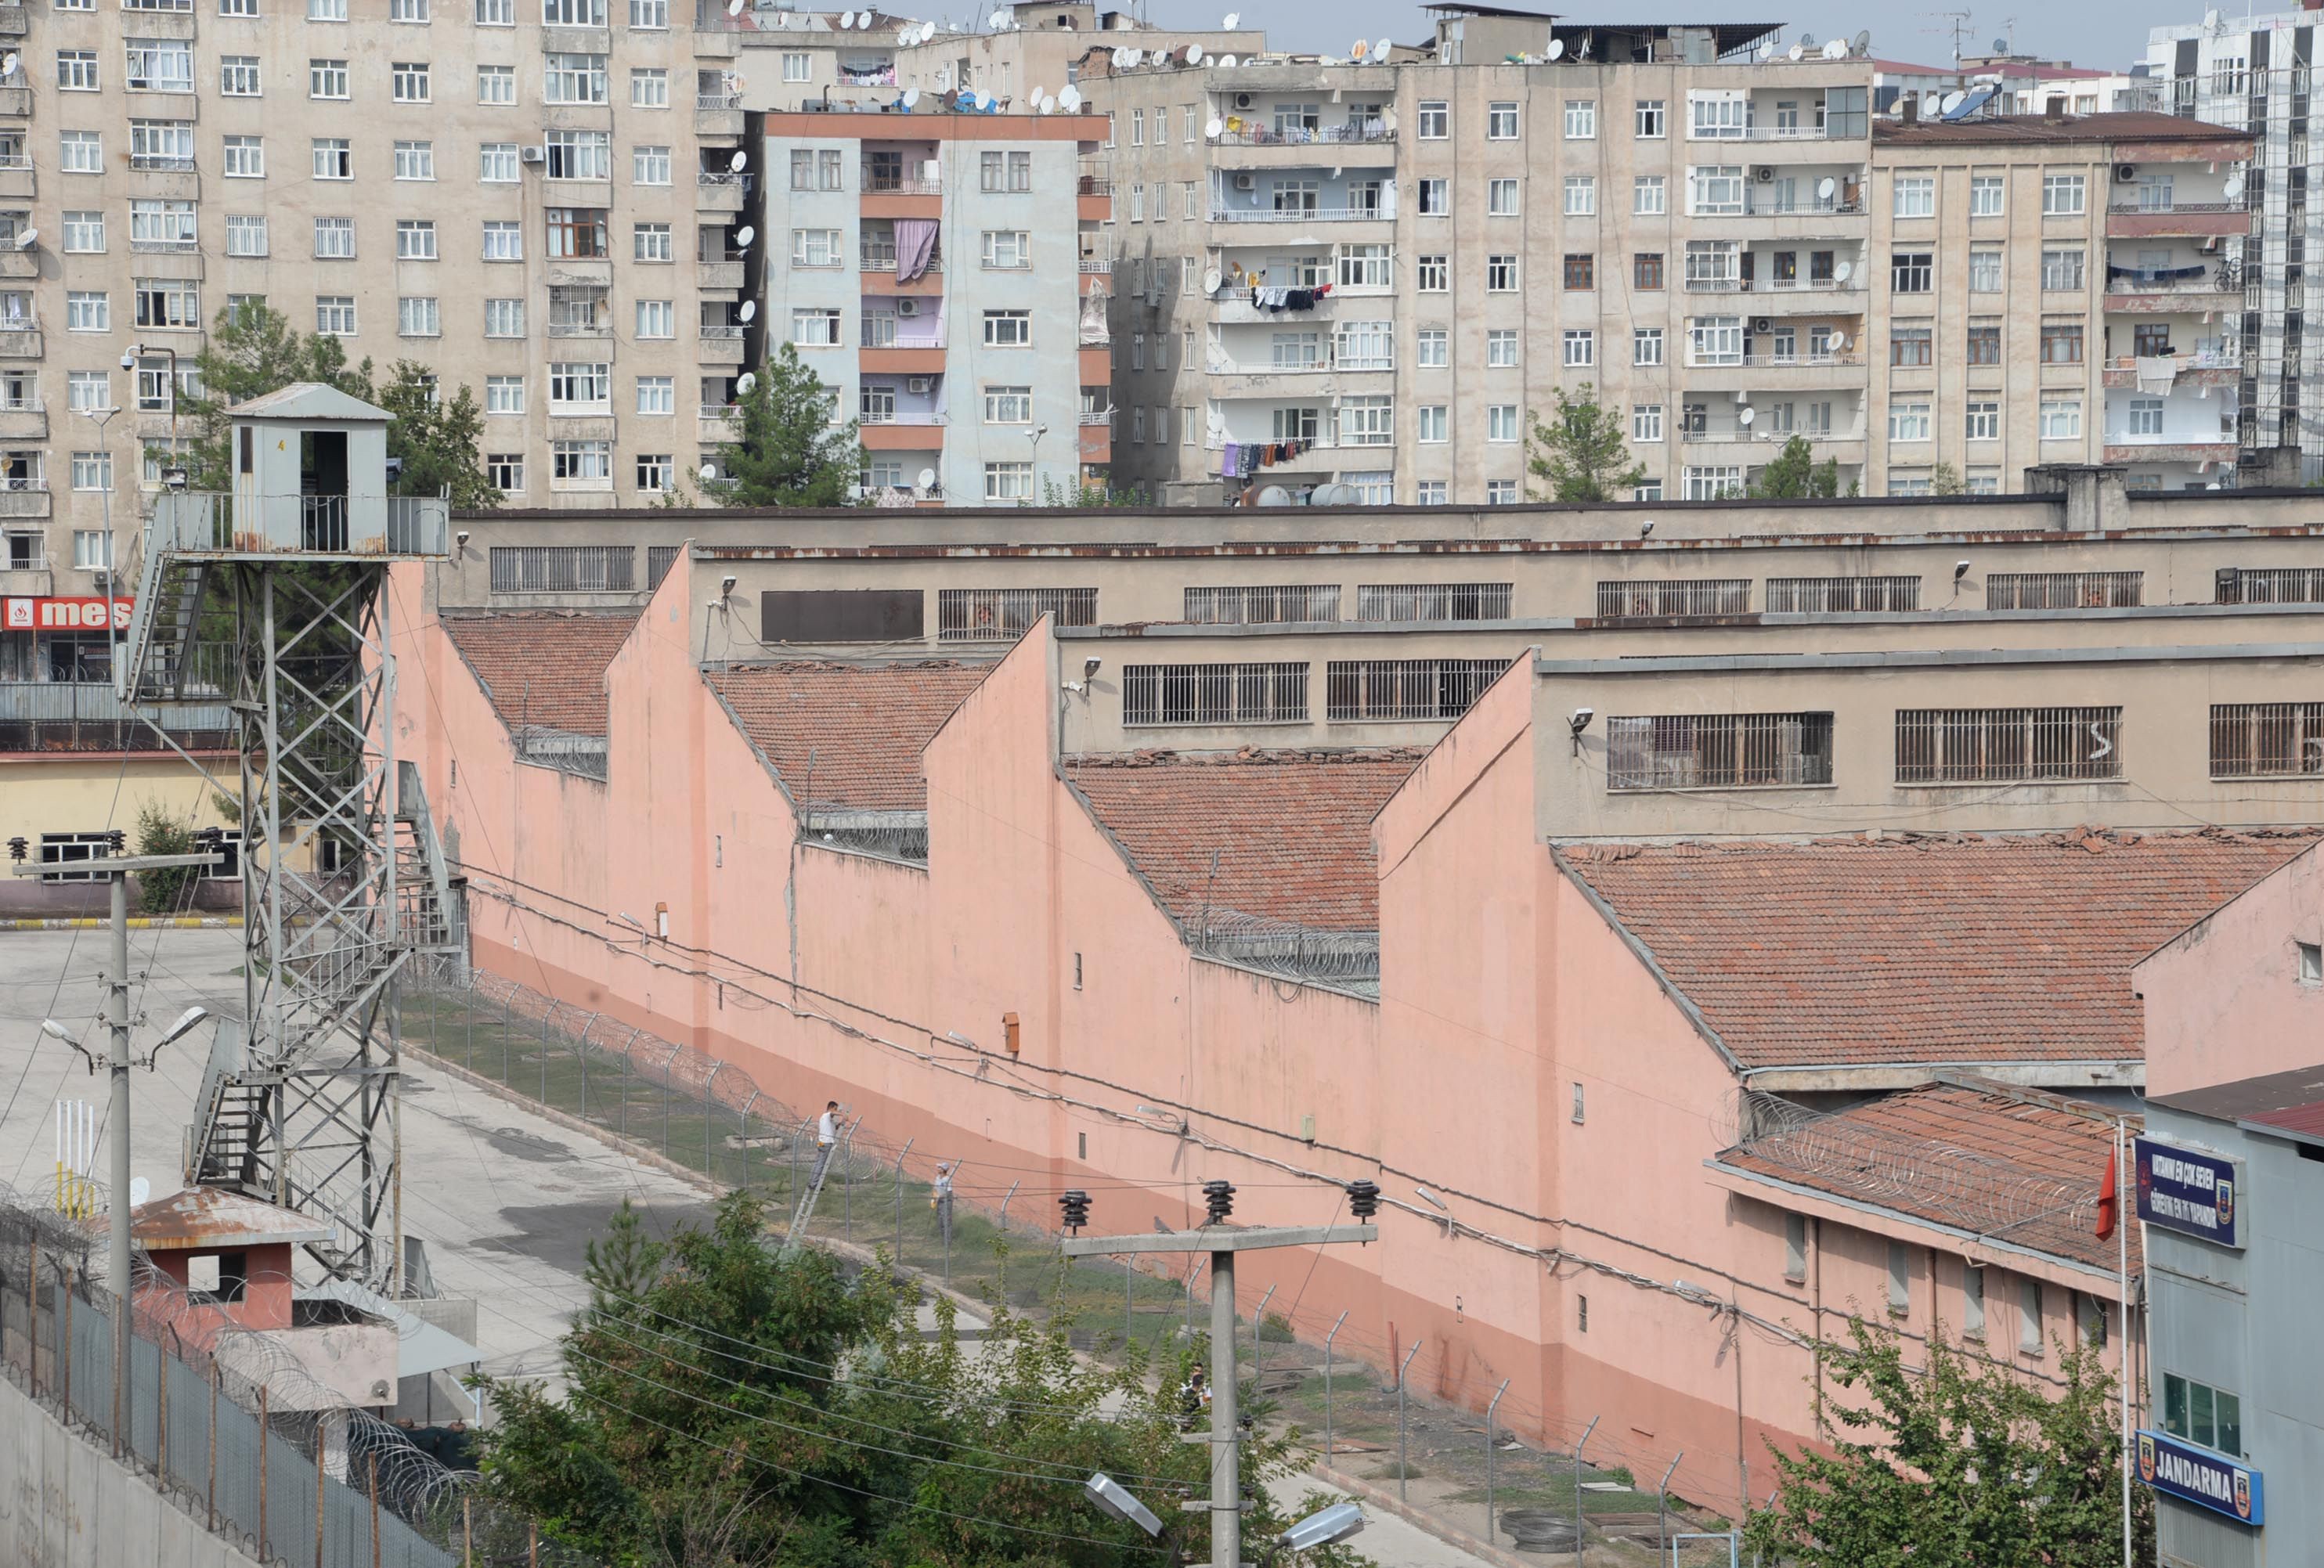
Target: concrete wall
[
  {"x": 41, "y": 792},
  {"x": 65, "y": 1503},
  {"x": 2225, "y": 999}
]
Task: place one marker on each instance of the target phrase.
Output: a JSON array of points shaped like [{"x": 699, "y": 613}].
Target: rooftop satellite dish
[
  {"x": 707, "y": 472},
  {"x": 1862, "y": 42},
  {"x": 2001, "y": 45},
  {"x": 1358, "y": 49},
  {"x": 1214, "y": 128},
  {"x": 1137, "y": 58},
  {"x": 1380, "y": 51},
  {"x": 1836, "y": 49},
  {"x": 1212, "y": 280},
  {"x": 1120, "y": 57},
  {"x": 1069, "y": 99},
  {"x": 1034, "y": 97},
  {"x": 25, "y": 241},
  {"x": 1767, "y": 50},
  {"x": 1744, "y": 415},
  {"x": 1234, "y": 21},
  {"x": 1557, "y": 50},
  {"x": 1049, "y": 105},
  {"x": 750, "y": 308},
  {"x": 743, "y": 383},
  {"x": 997, "y": 20},
  {"x": 1797, "y": 51},
  {"x": 1841, "y": 273},
  {"x": 1824, "y": 188},
  {"x": 744, "y": 235},
  {"x": 911, "y": 96},
  {"x": 928, "y": 477},
  {"x": 1227, "y": 61},
  {"x": 1194, "y": 54},
  {"x": 1952, "y": 100},
  {"x": 1273, "y": 496},
  {"x": 734, "y": 8}
]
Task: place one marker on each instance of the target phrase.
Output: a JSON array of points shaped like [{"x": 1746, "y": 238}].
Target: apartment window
[
  {"x": 1501, "y": 122},
  {"x": 504, "y": 318},
  {"x": 1985, "y": 195},
  {"x": 573, "y": 384},
  {"x": 1435, "y": 120},
  {"x": 326, "y": 10},
  {"x": 581, "y": 465},
  {"x": 1432, "y": 602},
  {"x": 1580, "y": 271},
  {"x": 2062, "y": 267},
  {"x": 503, "y": 241},
  {"x": 1501, "y": 348},
  {"x": 2199, "y": 1413},
  {"x": 1433, "y": 274},
  {"x": 416, "y": 317},
  {"x": 1911, "y": 271},
  {"x": 496, "y": 13},
  {"x": 2257, "y": 739},
  {"x": 326, "y": 79},
  {"x": 1005, "y": 171},
  {"x": 1985, "y": 270},
  {"x": 84, "y": 231},
  {"x": 1715, "y": 751},
  {"x": 573, "y": 78},
  {"x": 580, "y": 155},
  {"x": 649, "y": 16},
  {"x": 1581, "y": 119},
  {"x": 334, "y": 157},
  {"x": 1009, "y": 482},
  {"x": 650, "y": 89},
  {"x": 798, "y": 67},
  {"x": 415, "y": 159},
  {"x": 1432, "y": 348},
  {"x": 408, "y": 82},
  {"x": 415, "y": 239},
  {"x": 1010, "y": 249},
  {"x": 652, "y": 241},
  {"x": 335, "y": 239},
  {"x": 1501, "y": 424},
  {"x": 1358, "y": 690},
  {"x": 504, "y": 471},
  {"x": 83, "y": 152},
  {"x": 1500, "y": 275},
  {"x": 497, "y": 163},
  {"x": 1270, "y": 604},
  {"x": 335, "y": 315},
  {"x": 93, "y": 471},
  {"x": 650, "y": 166},
  {"x": 1714, "y": 340},
  {"x": 1715, "y": 190},
  {"x": 1370, "y": 266},
  {"x": 168, "y": 303},
  {"x": 815, "y": 326},
  {"x": 2063, "y": 196},
  {"x": 413, "y": 11},
  {"x": 496, "y": 84},
  {"x": 1911, "y": 347},
  {"x": 2064, "y": 590},
  {"x": 1916, "y": 196},
  {"x": 1367, "y": 421},
  {"x": 2147, "y": 416},
  {"x": 1007, "y": 328},
  {"x": 1985, "y": 345},
  {"x": 1428, "y": 492},
  {"x": 238, "y": 76},
  {"x": 573, "y": 13},
  {"x": 2005, "y": 745},
  {"x": 2029, "y": 1310},
  {"x": 1908, "y": 421},
  {"x": 1580, "y": 347},
  {"x": 160, "y": 65},
  {"x": 1211, "y": 694},
  {"x": 1648, "y": 198},
  {"x": 246, "y": 236},
  {"x": 87, "y": 390},
  {"x": 504, "y": 394},
  {"x": 1434, "y": 424},
  {"x": 814, "y": 247},
  {"x": 1983, "y": 422},
  {"x": 1646, "y": 422},
  {"x": 2061, "y": 419},
  {"x": 1580, "y": 195},
  {"x": 76, "y": 70},
  {"x": 657, "y": 394},
  {"x": 1900, "y": 1279},
  {"x": 575, "y": 232},
  {"x": 1795, "y": 1247},
  {"x": 87, "y": 311},
  {"x": 1007, "y": 405}
]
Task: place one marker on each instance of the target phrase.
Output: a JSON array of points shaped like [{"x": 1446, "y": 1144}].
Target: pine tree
[
  {"x": 1795, "y": 475},
  {"x": 789, "y": 452},
  {"x": 1581, "y": 451}
]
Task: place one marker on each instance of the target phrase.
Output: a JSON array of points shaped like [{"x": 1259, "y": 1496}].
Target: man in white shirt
[{"x": 826, "y": 1138}]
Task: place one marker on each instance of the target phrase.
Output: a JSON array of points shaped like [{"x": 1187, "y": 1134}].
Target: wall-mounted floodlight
[
  {"x": 1322, "y": 1528},
  {"x": 725, "y": 585},
  {"x": 1116, "y": 1500},
  {"x": 1645, "y": 528},
  {"x": 1961, "y": 570},
  {"x": 1579, "y": 722}
]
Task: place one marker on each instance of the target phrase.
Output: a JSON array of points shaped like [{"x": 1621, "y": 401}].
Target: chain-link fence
[
  {"x": 939, "y": 1217},
  {"x": 231, "y": 1422}
]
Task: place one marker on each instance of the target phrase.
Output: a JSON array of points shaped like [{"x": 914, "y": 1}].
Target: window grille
[
  {"x": 2063, "y": 590},
  {"x": 2250, "y": 738},
  {"x": 1215, "y": 694},
  {"x": 1676, "y": 596},
  {"x": 1717, "y": 751},
  {"x": 1407, "y": 689},
  {"x": 1829, "y": 596},
  {"x": 2001, "y": 745},
  {"x": 1266, "y": 604},
  {"x": 1000, "y": 615},
  {"x": 575, "y": 569},
  {"x": 1433, "y": 601}
]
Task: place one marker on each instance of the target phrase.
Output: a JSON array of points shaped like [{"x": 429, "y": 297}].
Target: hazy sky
[{"x": 2110, "y": 35}]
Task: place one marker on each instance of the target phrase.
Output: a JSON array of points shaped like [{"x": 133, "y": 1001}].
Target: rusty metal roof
[{"x": 204, "y": 1219}]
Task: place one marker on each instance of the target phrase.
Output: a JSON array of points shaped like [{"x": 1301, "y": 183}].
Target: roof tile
[
  {"x": 543, "y": 667},
  {"x": 848, "y": 737}
]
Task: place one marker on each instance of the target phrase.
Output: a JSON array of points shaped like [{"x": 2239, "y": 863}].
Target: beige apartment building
[{"x": 2056, "y": 288}]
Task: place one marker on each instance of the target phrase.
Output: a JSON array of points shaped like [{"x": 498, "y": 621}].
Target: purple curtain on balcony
[{"x": 915, "y": 246}]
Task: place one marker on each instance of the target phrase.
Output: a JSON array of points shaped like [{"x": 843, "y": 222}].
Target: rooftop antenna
[{"x": 1956, "y": 23}]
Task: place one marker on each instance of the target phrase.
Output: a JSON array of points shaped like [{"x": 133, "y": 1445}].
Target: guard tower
[{"x": 273, "y": 596}]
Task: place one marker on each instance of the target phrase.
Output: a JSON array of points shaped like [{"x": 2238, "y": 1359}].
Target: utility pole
[{"x": 1222, "y": 1241}]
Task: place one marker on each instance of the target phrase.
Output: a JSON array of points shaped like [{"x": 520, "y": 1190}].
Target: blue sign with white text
[
  {"x": 2199, "y": 1476},
  {"x": 2189, "y": 1192}
]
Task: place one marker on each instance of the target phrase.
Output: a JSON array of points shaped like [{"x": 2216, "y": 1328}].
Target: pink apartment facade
[{"x": 1620, "y": 1070}]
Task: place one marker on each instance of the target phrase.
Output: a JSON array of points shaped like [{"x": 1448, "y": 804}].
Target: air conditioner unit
[
  {"x": 919, "y": 385},
  {"x": 1763, "y": 324},
  {"x": 1764, "y": 175},
  {"x": 1242, "y": 100},
  {"x": 907, "y": 307},
  {"x": 532, "y": 155},
  {"x": 1246, "y": 182},
  {"x": 2123, "y": 173}
]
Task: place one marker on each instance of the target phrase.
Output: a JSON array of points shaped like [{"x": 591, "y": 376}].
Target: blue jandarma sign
[
  {"x": 2189, "y": 1192},
  {"x": 2197, "y": 1475}
]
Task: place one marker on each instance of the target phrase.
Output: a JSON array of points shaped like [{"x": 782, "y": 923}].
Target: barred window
[
  {"x": 1267, "y": 604},
  {"x": 1824, "y": 595},
  {"x": 2063, "y": 590},
  {"x": 1433, "y": 601},
  {"x": 1676, "y": 596},
  {"x": 2266, "y": 738},
  {"x": 1717, "y": 751},
  {"x": 1215, "y": 694},
  {"x": 2269, "y": 585},
  {"x": 1407, "y": 689},
  {"x": 2000, "y": 745},
  {"x": 995, "y": 614},
  {"x": 659, "y": 558},
  {"x": 563, "y": 568}
]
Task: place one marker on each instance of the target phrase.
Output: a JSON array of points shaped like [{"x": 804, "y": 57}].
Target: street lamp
[{"x": 1033, "y": 437}]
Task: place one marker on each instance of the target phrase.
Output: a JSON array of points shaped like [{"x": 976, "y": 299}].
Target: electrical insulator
[
  {"x": 1075, "y": 1205},
  {"x": 1363, "y": 1199},
  {"x": 16, "y": 847},
  {"x": 1218, "y": 1198}
]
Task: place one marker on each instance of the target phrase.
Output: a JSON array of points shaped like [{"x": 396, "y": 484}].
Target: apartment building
[
  {"x": 2056, "y": 288},
  {"x": 1378, "y": 274},
  {"x": 929, "y": 278},
  {"x": 536, "y": 199},
  {"x": 2252, "y": 72}
]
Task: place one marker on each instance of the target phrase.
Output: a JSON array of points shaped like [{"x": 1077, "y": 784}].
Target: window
[
  {"x": 1580, "y": 195},
  {"x": 1708, "y": 750},
  {"x": 1008, "y": 482},
  {"x": 1272, "y": 604},
  {"x": 1714, "y": 340},
  {"x": 1434, "y": 424},
  {"x": 1501, "y": 348},
  {"x": 225, "y": 7},
  {"x": 496, "y": 13},
  {"x": 1911, "y": 347},
  {"x": 1646, "y": 422},
  {"x": 1007, "y": 328},
  {"x": 1433, "y": 274},
  {"x": 1900, "y": 1279},
  {"x": 1795, "y": 1247},
  {"x": 1916, "y": 196},
  {"x": 1435, "y": 120},
  {"x": 1580, "y": 347},
  {"x": 650, "y": 89},
  {"x": 335, "y": 239},
  {"x": 414, "y": 11},
  {"x": 408, "y": 82},
  {"x": 1646, "y": 271},
  {"x": 2062, "y": 267},
  {"x": 1973, "y": 1302},
  {"x": 1648, "y": 197},
  {"x": 1500, "y": 275},
  {"x": 246, "y": 236},
  {"x": 798, "y": 67},
  {"x": 87, "y": 389},
  {"x": 573, "y": 78},
  {"x": 649, "y": 16},
  {"x": 76, "y": 70},
  {"x": 416, "y": 317},
  {"x": 657, "y": 318},
  {"x": 1985, "y": 195},
  {"x": 1501, "y": 426},
  {"x": 1366, "y": 266},
  {"x": 415, "y": 239},
  {"x": 503, "y": 242},
  {"x": 173, "y": 303},
  {"x": 87, "y": 311},
  {"x": 326, "y": 79},
  {"x": 580, "y": 155},
  {"x": 650, "y": 166},
  {"x": 335, "y": 315},
  {"x": 2029, "y": 1292},
  {"x": 1367, "y": 420},
  {"x": 1209, "y": 694},
  {"x": 504, "y": 394},
  {"x": 497, "y": 163},
  {"x": 1501, "y": 122},
  {"x": 2311, "y": 962},
  {"x": 1985, "y": 345},
  {"x": 1715, "y": 190},
  {"x": 334, "y": 157},
  {"x": 577, "y": 383},
  {"x": 496, "y": 84},
  {"x": 2263, "y": 738},
  {"x": 1985, "y": 270},
  {"x": 1911, "y": 271},
  {"x": 1362, "y": 689},
  {"x": 2147, "y": 416},
  {"x": 1983, "y": 422},
  {"x": 1010, "y": 250},
  {"x": 85, "y": 232},
  {"x": 504, "y": 318},
  {"x": 1005, "y": 171},
  {"x": 1432, "y": 348},
  {"x": 83, "y": 152},
  {"x": 573, "y": 13},
  {"x": 2063, "y": 590},
  {"x": 814, "y": 247},
  {"x": 575, "y": 232},
  {"x": 652, "y": 241},
  {"x": 1501, "y": 197},
  {"x": 238, "y": 76},
  {"x": 815, "y": 326},
  {"x": 2000, "y": 745},
  {"x": 2061, "y": 419},
  {"x": 1580, "y": 271},
  {"x": 504, "y": 471},
  {"x": 161, "y": 225},
  {"x": 2063, "y": 196},
  {"x": 415, "y": 159},
  {"x": 1826, "y": 596},
  {"x": 581, "y": 465},
  {"x": 1908, "y": 421},
  {"x": 160, "y": 65},
  {"x": 326, "y": 10}
]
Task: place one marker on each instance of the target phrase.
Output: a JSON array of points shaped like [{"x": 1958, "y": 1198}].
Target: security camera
[
  {"x": 726, "y": 586},
  {"x": 129, "y": 360},
  {"x": 1581, "y": 719},
  {"x": 1645, "y": 528},
  {"x": 1091, "y": 665},
  {"x": 460, "y": 540}
]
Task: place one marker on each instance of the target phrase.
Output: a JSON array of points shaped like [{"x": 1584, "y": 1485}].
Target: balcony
[
  {"x": 717, "y": 114},
  {"x": 15, "y": 103},
  {"x": 721, "y": 190},
  {"x": 2181, "y": 219},
  {"x": 2205, "y": 367},
  {"x": 909, "y": 431},
  {"x": 1762, "y": 135},
  {"x": 27, "y": 497},
  {"x": 2175, "y": 291},
  {"x": 597, "y": 331},
  {"x": 721, "y": 276},
  {"x": 20, "y": 337},
  {"x": 1825, "y": 296},
  {"x": 38, "y": 715},
  {"x": 16, "y": 177},
  {"x": 1367, "y": 132},
  {"x": 722, "y": 344},
  {"x": 1384, "y": 213},
  {"x": 1795, "y": 219},
  {"x": 2169, "y": 449},
  {"x": 26, "y": 420}
]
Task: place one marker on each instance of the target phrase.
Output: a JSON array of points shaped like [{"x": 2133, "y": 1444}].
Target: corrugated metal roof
[{"x": 205, "y": 1219}]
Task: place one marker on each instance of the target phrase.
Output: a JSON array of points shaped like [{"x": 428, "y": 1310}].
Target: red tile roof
[
  {"x": 543, "y": 667},
  {"x": 2011, "y": 1165},
  {"x": 846, "y": 736},
  {"x": 1291, "y": 830},
  {"x": 1850, "y": 951}
]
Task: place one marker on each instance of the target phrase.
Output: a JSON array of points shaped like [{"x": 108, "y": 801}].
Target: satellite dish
[
  {"x": 739, "y": 161},
  {"x": 1797, "y": 51},
  {"x": 744, "y": 235},
  {"x": 1120, "y": 57},
  {"x": 24, "y": 242},
  {"x": 928, "y": 31},
  {"x": 140, "y": 1189},
  {"x": 928, "y": 477},
  {"x": 1137, "y": 58},
  {"x": 750, "y": 308},
  {"x": 1227, "y": 60},
  {"x": 1034, "y": 97},
  {"x": 1746, "y": 415},
  {"x": 1234, "y": 21},
  {"x": 1824, "y": 188},
  {"x": 734, "y": 8},
  {"x": 1862, "y": 42},
  {"x": 707, "y": 472},
  {"x": 1361, "y": 47},
  {"x": 2233, "y": 189},
  {"x": 1836, "y": 49},
  {"x": 911, "y": 96},
  {"x": 1050, "y": 105},
  {"x": 846, "y": 20},
  {"x": 1951, "y": 102},
  {"x": 1380, "y": 51},
  {"x": 8, "y": 63},
  {"x": 997, "y": 20},
  {"x": 1557, "y": 50},
  {"x": 743, "y": 383},
  {"x": 1215, "y": 128},
  {"x": 1194, "y": 54},
  {"x": 1069, "y": 99},
  {"x": 1212, "y": 280},
  {"x": 1767, "y": 50},
  {"x": 1841, "y": 273},
  {"x": 1273, "y": 495},
  {"x": 1807, "y": 40},
  {"x": 1839, "y": 342}
]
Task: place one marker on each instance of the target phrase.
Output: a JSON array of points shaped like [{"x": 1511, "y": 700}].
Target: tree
[
  {"x": 1945, "y": 479},
  {"x": 1962, "y": 1463},
  {"x": 1795, "y": 475},
  {"x": 1581, "y": 451},
  {"x": 438, "y": 439},
  {"x": 789, "y": 452},
  {"x": 166, "y": 891}
]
